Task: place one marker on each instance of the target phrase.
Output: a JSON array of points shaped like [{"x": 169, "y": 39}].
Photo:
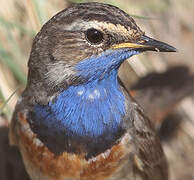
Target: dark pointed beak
[
  {"x": 146, "y": 43},
  {"x": 155, "y": 45}
]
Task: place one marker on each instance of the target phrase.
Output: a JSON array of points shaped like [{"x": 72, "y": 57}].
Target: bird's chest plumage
[{"x": 43, "y": 164}]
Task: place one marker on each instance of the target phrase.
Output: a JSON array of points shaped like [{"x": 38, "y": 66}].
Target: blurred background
[{"x": 162, "y": 83}]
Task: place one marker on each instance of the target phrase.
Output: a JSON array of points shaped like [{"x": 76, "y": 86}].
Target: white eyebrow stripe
[{"x": 84, "y": 25}]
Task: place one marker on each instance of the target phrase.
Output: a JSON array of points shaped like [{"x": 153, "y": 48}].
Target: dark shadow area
[
  {"x": 159, "y": 93},
  {"x": 169, "y": 127},
  {"x": 172, "y": 78},
  {"x": 11, "y": 165}
]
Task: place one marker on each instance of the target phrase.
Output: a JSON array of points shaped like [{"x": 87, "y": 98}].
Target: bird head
[{"x": 86, "y": 42}]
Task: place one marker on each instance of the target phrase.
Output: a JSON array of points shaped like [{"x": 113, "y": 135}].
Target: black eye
[{"x": 94, "y": 36}]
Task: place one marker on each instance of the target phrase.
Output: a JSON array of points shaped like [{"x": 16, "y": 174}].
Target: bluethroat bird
[{"x": 75, "y": 120}]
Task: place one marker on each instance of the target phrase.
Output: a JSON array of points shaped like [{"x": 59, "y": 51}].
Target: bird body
[
  {"x": 75, "y": 120},
  {"x": 116, "y": 162}
]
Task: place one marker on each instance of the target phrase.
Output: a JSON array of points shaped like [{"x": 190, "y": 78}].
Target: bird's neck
[{"x": 91, "y": 109}]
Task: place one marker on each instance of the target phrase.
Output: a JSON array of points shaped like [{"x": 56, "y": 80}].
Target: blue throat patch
[{"x": 90, "y": 109}]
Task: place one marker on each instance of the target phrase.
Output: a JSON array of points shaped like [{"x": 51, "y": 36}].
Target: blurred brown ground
[{"x": 170, "y": 21}]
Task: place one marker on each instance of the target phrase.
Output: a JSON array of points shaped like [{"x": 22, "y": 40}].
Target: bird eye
[{"x": 94, "y": 36}]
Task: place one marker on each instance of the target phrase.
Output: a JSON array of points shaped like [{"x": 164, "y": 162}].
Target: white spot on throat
[
  {"x": 95, "y": 94},
  {"x": 89, "y": 94},
  {"x": 80, "y": 92}
]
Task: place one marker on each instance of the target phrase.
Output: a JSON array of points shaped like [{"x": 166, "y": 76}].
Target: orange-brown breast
[{"x": 69, "y": 165}]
